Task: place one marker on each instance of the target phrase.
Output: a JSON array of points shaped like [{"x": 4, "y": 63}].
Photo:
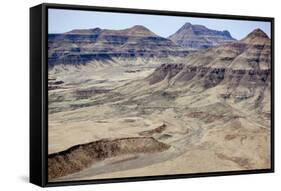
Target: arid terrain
[{"x": 127, "y": 103}]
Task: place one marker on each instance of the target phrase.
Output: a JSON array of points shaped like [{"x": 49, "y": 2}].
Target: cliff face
[
  {"x": 240, "y": 70},
  {"x": 82, "y": 46},
  {"x": 209, "y": 77},
  {"x": 251, "y": 53},
  {"x": 200, "y": 37}
]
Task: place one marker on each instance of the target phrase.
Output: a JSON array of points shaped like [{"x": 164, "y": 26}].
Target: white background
[{"x": 14, "y": 94}]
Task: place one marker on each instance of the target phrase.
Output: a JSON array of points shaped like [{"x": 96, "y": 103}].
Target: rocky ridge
[
  {"x": 84, "y": 45},
  {"x": 242, "y": 68}
]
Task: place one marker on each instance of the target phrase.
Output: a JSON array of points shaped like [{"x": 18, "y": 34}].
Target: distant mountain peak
[
  {"x": 259, "y": 32},
  {"x": 199, "y": 36},
  {"x": 257, "y": 36},
  {"x": 227, "y": 33},
  {"x": 186, "y": 25},
  {"x": 139, "y": 27},
  {"x": 139, "y": 30},
  {"x": 190, "y": 27}
]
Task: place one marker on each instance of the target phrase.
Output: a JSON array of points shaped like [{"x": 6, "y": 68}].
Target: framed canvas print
[{"x": 129, "y": 94}]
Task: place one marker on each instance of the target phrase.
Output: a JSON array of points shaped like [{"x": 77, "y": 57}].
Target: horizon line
[{"x": 156, "y": 33}]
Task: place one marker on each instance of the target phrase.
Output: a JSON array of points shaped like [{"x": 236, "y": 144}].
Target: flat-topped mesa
[
  {"x": 85, "y": 31},
  {"x": 257, "y": 36},
  {"x": 81, "y": 46},
  {"x": 137, "y": 30}
]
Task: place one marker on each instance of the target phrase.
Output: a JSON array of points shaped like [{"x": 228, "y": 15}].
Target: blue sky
[{"x": 61, "y": 20}]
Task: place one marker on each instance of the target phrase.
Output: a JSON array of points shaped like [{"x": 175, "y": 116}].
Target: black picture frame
[{"x": 39, "y": 93}]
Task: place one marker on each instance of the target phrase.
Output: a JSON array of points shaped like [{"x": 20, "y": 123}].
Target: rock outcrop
[
  {"x": 82, "y": 156},
  {"x": 208, "y": 76}
]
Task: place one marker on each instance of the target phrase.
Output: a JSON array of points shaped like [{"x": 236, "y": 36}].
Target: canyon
[{"x": 128, "y": 103}]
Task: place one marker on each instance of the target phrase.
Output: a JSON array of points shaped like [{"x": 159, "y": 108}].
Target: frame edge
[
  {"x": 36, "y": 154},
  {"x": 41, "y": 50}
]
